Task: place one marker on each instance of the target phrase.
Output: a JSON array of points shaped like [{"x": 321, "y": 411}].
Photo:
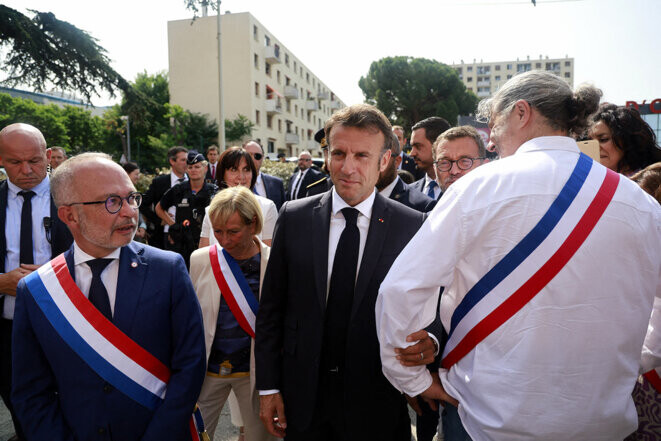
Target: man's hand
[
  {"x": 9, "y": 281},
  {"x": 272, "y": 414},
  {"x": 419, "y": 354},
  {"x": 436, "y": 392},
  {"x": 413, "y": 402}
]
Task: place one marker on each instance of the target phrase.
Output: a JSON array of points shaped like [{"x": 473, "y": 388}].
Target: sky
[{"x": 615, "y": 43}]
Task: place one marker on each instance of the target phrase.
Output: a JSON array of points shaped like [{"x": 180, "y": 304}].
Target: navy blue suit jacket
[
  {"x": 411, "y": 197},
  {"x": 57, "y": 396},
  {"x": 310, "y": 177},
  {"x": 408, "y": 164},
  {"x": 275, "y": 189}
]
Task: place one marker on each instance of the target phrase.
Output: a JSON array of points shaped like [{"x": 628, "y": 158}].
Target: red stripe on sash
[
  {"x": 113, "y": 334},
  {"x": 227, "y": 292},
  {"x": 654, "y": 379},
  {"x": 194, "y": 435},
  {"x": 542, "y": 277}
]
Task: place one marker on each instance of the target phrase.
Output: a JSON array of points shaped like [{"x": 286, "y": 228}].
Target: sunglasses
[{"x": 257, "y": 156}]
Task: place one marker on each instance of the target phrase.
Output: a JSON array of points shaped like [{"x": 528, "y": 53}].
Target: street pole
[
  {"x": 221, "y": 113},
  {"x": 128, "y": 137}
]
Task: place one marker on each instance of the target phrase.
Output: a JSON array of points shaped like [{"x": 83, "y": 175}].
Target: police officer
[
  {"x": 324, "y": 184},
  {"x": 190, "y": 199}
]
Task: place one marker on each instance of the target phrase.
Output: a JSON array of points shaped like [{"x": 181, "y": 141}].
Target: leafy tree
[
  {"x": 44, "y": 50},
  {"x": 86, "y": 132},
  {"x": 410, "y": 89},
  {"x": 238, "y": 128}
]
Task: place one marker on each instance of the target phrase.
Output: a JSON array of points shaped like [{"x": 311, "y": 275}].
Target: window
[
  {"x": 307, "y": 77},
  {"x": 267, "y": 40},
  {"x": 270, "y": 145},
  {"x": 287, "y": 80},
  {"x": 256, "y": 89},
  {"x": 469, "y": 69},
  {"x": 497, "y": 77},
  {"x": 256, "y": 61},
  {"x": 523, "y": 67},
  {"x": 509, "y": 67},
  {"x": 288, "y": 106},
  {"x": 553, "y": 66},
  {"x": 567, "y": 63},
  {"x": 459, "y": 70},
  {"x": 469, "y": 79},
  {"x": 287, "y": 60},
  {"x": 567, "y": 75},
  {"x": 296, "y": 109},
  {"x": 254, "y": 33},
  {"x": 269, "y": 121},
  {"x": 497, "y": 67},
  {"x": 280, "y": 125},
  {"x": 257, "y": 117},
  {"x": 267, "y": 68},
  {"x": 277, "y": 73},
  {"x": 509, "y": 76},
  {"x": 538, "y": 65},
  {"x": 295, "y": 67}
]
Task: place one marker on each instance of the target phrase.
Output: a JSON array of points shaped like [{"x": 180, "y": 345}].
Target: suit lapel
[
  {"x": 68, "y": 257},
  {"x": 4, "y": 195},
  {"x": 397, "y": 191},
  {"x": 321, "y": 214},
  {"x": 376, "y": 237},
  {"x": 131, "y": 277}
]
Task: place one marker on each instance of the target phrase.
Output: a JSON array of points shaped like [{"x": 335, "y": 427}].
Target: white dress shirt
[
  {"x": 437, "y": 188},
  {"x": 387, "y": 191},
  {"x": 269, "y": 212},
  {"x": 564, "y": 365},
  {"x": 41, "y": 248},
  {"x": 298, "y": 180},
  {"x": 108, "y": 275},
  {"x": 259, "y": 186},
  {"x": 172, "y": 211}
]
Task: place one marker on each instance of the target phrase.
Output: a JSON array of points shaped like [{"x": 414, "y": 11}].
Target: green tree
[
  {"x": 238, "y": 128},
  {"x": 48, "y": 119},
  {"x": 44, "y": 51},
  {"x": 410, "y": 89}
]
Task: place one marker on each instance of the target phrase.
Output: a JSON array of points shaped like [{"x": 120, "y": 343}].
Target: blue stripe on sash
[
  {"x": 528, "y": 244},
  {"x": 243, "y": 283},
  {"x": 97, "y": 363}
]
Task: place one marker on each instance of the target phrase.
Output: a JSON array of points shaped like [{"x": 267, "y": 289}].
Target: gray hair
[
  {"x": 304, "y": 152},
  {"x": 550, "y": 95},
  {"x": 62, "y": 182}
]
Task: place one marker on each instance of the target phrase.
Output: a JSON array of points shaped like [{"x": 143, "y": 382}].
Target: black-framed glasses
[
  {"x": 114, "y": 202},
  {"x": 257, "y": 156},
  {"x": 463, "y": 163}
]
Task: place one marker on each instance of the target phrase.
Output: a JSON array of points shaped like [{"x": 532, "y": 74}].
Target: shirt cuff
[
  {"x": 269, "y": 392},
  {"x": 437, "y": 347}
]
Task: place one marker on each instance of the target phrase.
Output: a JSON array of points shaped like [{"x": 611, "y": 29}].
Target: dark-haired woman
[{"x": 626, "y": 142}]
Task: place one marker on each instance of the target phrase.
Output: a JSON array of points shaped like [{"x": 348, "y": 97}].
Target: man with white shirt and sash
[
  {"x": 108, "y": 340},
  {"x": 551, "y": 264}
]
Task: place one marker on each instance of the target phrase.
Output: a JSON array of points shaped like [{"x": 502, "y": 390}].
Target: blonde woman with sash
[{"x": 227, "y": 278}]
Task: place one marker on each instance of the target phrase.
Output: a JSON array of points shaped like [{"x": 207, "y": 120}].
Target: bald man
[
  {"x": 30, "y": 233},
  {"x": 108, "y": 336}
]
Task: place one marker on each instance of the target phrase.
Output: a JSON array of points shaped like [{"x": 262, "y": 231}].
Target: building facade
[
  {"x": 261, "y": 79},
  {"x": 484, "y": 79}
]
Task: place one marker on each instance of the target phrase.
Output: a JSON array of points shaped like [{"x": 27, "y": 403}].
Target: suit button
[{"x": 107, "y": 388}]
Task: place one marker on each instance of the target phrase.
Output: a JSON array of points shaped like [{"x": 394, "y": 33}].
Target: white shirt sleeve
[
  {"x": 206, "y": 224},
  {"x": 409, "y": 294},
  {"x": 270, "y": 214},
  {"x": 651, "y": 357}
]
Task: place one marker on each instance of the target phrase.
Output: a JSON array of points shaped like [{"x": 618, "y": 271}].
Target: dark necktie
[
  {"x": 213, "y": 171},
  {"x": 98, "y": 294},
  {"x": 26, "y": 255},
  {"x": 340, "y": 294},
  {"x": 298, "y": 186},
  {"x": 430, "y": 190}
]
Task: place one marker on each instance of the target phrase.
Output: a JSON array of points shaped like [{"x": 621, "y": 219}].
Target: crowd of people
[{"x": 509, "y": 299}]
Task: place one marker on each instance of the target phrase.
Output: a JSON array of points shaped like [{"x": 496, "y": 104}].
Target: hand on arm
[
  {"x": 419, "y": 354},
  {"x": 9, "y": 281}
]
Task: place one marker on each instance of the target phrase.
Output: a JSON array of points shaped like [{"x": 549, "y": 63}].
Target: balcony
[
  {"x": 273, "y": 105},
  {"x": 483, "y": 94},
  {"x": 272, "y": 54},
  {"x": 323, "y": 95},
  {"x": 311, "y": 105},
  {"x": 484, "y": 83},
  {"x": 312, "y": 145},
  {"x": 335, "y": 105},
  {"x": 291, "y": 92},
  {"x": 291, "y": 138}
]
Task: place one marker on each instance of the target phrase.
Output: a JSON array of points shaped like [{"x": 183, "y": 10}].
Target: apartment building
[
  {"x": 261, "y": 80},
  {"x": 486, "y": 78}
]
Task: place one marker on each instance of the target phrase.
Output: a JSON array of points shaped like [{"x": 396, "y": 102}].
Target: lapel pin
[
  {"x": 134, "y": 264},
  {"x": 380, "y": 220}
]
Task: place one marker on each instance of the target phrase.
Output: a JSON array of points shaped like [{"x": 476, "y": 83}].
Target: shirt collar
[
  {"x": 175, "y": 180},
  {"x": 365, "y": 207},
  {"x": 80, "y": 256},
  {"x": 41, "y": 189},
  {"x": 259, "y": 178},
  {"x": 549, "y": 143},
  {"x": 427, "y": 180},
  {"x": 387, "y": 191}
]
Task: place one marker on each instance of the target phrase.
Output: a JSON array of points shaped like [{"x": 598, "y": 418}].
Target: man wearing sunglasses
[
  {"x": 267, "y": 186},
  {"x": 305, "y": 176},
  {"x": 108, "y": 336}
]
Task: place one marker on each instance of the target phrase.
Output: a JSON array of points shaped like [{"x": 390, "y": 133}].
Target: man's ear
[
  {"x": 67, "y": 215},
  {"x": 523, "y": 112},
  {"x": 385, "y": 158}
]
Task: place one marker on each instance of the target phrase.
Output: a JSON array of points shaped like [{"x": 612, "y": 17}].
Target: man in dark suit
[
  {"x": 406, "y": 163},
  {"x": 391, "y": 186},
  {"x": 212, "y": 158},
  {"x": 317, "y": 354},
  {"x": 267, "y": 186},
  {"x": 68, "y": 384},
  {"x": 177, "y": 159},
  {"x": 423, "y": 135},
  {"x": 324, "y": 184},
  {"x": 30, "y": 231},
  {"x": 304, "y": 176}
]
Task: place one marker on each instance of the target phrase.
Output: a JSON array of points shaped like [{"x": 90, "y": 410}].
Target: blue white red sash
[
  {"x": 234, "y": 288},
  {"x": 534, "y": 261},
  {"x": 107, "y": 350},
  {"x": 654, "y": 377}
]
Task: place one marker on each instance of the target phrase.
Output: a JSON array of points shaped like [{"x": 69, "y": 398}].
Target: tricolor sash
[
  {"x": 654, "y": 377},
  {"x": 234, "y": 288},
  {"x": 109, "y": 352},
  {"x": 516, "y": 278}
]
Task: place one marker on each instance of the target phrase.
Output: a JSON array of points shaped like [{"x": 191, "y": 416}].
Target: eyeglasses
[
  {"x": 304, "y": 159},
  {"x": 114, "y": 202},
  {"x": 463, "y": 163},
  {"x": 257, "y": 156}
]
